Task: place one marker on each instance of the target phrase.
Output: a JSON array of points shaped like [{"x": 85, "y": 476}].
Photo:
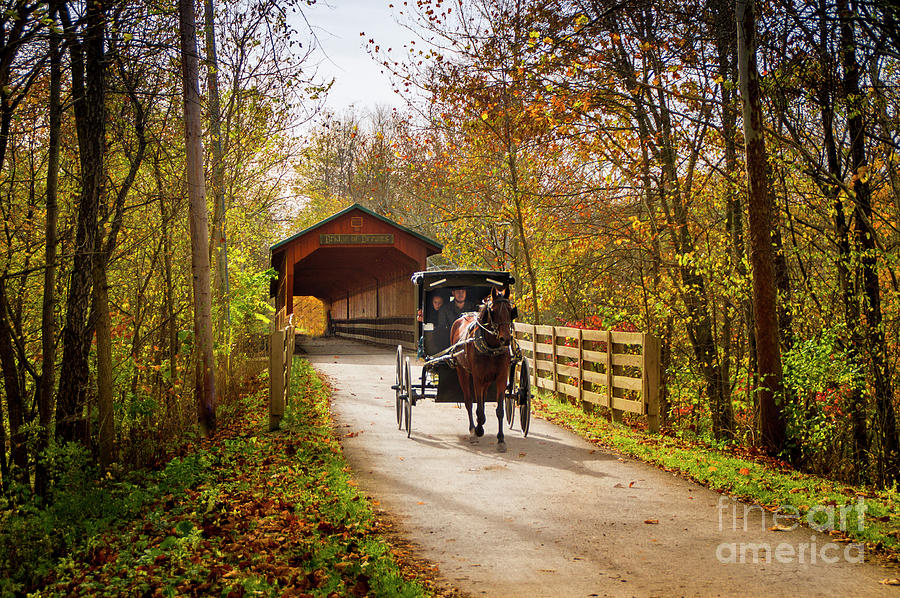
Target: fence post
[
  {"x": 650, "y": 378},
  {"x": 534, "y": 357},
  {"x": 276, "y": 378},
  {"x": 609, "y": 392},
  {"x": 610, "y": 371},
  {"x": 555, "y": 374},
  {"x": 580, "y": 368},
  {"x": 289, "y": 338}
]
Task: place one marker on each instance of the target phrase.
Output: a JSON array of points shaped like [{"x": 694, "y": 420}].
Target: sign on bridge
[{"x": 356, "y": 239}]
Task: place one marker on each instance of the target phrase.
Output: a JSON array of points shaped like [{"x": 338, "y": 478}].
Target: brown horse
[{"x": 484, "y": 359}]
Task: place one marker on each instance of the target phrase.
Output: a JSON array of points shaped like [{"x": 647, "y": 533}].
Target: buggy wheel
[
  {"x": 407, "y": 405},
  {"x": 524, "y": 397},
  {"x": 398, "y": 387},
  {"x": 509, "y": 399}
]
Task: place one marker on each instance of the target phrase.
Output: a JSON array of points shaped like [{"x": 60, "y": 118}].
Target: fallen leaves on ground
[{"x": 273, "y": 514}]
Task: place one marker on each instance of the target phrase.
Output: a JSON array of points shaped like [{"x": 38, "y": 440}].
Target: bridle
[{"x": 489, "y": 327}]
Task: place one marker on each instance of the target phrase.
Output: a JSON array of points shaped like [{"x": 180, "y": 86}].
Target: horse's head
[{"x": 499, "y": 316}]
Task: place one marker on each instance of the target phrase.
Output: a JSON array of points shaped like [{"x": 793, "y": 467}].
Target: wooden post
[
  {"x": 289, "y": 339},
  {"x": 581, "y": 368},
  {"x": 534, "y": 357},
  {"x": 609, "y": 393},
  {"x": 289, "y": 257},
  {"x": 650, "y": 380},
  {"x": 276, "y": 378},
  {"x": 553, "y": 357},
  {"x": 611, "y": 370}
]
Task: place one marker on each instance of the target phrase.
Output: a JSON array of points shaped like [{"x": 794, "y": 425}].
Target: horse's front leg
[
  {"x": 501, "y": 443},
  {"x": 465, "y": 384},
  {"x": 467, "y": 394},
  {"x": 479, "y": 397}
]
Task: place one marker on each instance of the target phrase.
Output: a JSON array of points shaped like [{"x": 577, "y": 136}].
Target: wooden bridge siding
[{"x": 300, "y": 248}]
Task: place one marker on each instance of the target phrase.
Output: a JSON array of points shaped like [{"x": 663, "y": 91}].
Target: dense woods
[
  {"x": 97, "y": 340},
  {"x": 721, "y": 174}
]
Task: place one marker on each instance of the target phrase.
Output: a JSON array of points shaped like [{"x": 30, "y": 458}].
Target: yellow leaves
[{"x": 782, "y": 528}]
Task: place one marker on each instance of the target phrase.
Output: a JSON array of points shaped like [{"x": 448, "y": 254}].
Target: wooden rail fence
[
  {"x": 618, "y": 370},
  {"x": 281, "y": 355},
  {"x": 385, "y": 331}
]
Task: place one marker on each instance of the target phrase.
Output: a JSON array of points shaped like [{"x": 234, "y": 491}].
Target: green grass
[
  {"x": 248, "y": 513},
  {"x": 766, "y": 482}
]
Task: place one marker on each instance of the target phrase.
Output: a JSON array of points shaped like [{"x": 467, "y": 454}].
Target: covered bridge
[{"x": 359, "y": 265}]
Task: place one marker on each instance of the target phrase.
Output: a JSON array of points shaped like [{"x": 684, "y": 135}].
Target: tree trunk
[
  {"x": 772, "y": 423},
  {"x": 4, "y": 463},
  {"x": 204, "y": 380},
  {"x": 521, "y": 233},
  {"x": 693, "y": 287},
  {"x": 865, "y": 240},
  {"x": 15, "y": 401},
  {"x": 663, "y": 330},
  {"x": 104, "y": 367},
  {"x": 734, "y": 222},
  {"x": 219, "y": 245},
  {"x": 88, "y": 92},
  {"x": 48, "y": 322}
]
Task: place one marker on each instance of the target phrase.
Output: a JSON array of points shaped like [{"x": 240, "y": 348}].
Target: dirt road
[{"x": 557, "y": 516}]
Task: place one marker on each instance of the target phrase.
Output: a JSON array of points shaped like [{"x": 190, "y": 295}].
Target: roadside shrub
[
  {"x": 820, "y": 377},
  {"x": 80, "y": 505}
]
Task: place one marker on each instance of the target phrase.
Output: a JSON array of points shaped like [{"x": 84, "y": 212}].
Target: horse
[{"x": 484, "y": 358}]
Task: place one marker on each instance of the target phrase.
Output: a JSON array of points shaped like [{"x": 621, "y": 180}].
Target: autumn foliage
[{"x": 598, "y": 152}]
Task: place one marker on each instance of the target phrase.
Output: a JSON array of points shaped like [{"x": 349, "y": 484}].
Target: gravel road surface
[{"x": 558, "y": 516}]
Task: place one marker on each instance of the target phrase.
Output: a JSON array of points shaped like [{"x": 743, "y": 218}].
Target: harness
[{"x": 481, "y": 345}]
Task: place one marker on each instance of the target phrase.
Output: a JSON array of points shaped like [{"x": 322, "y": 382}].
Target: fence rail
[
  {"x": 386, "y": 331},
  {"x": 618, "y": 370},
  {"x": 281, "y": 355}
]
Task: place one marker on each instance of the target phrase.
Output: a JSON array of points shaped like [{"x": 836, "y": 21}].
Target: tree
[
  {"x": 87, "y": 56},
  {"x": 866, "y": 242},
  {"x": 772, "y": 423},
  {"x": 204, "y": 377},
  {"x": 219, "y": 246}
]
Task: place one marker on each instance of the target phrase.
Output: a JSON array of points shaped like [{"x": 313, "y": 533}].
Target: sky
[{"x": 358, "y": 79}]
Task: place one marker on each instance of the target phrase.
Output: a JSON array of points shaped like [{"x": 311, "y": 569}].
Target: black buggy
[{"x": 439, "y": 380}]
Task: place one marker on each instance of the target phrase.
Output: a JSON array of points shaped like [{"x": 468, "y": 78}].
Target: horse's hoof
[
  {"x": 501, "y": 447},
  {"x": 479, "y": 431}
]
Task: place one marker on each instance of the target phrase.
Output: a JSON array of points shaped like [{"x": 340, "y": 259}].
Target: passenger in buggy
[
  {"x": 432, "y": 316},
  {"x": 458, "y": 305},
  {"x": 437, "y": 304}
]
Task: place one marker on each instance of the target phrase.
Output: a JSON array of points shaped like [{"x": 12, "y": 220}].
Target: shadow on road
[{"x": 540, "y": 449}]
